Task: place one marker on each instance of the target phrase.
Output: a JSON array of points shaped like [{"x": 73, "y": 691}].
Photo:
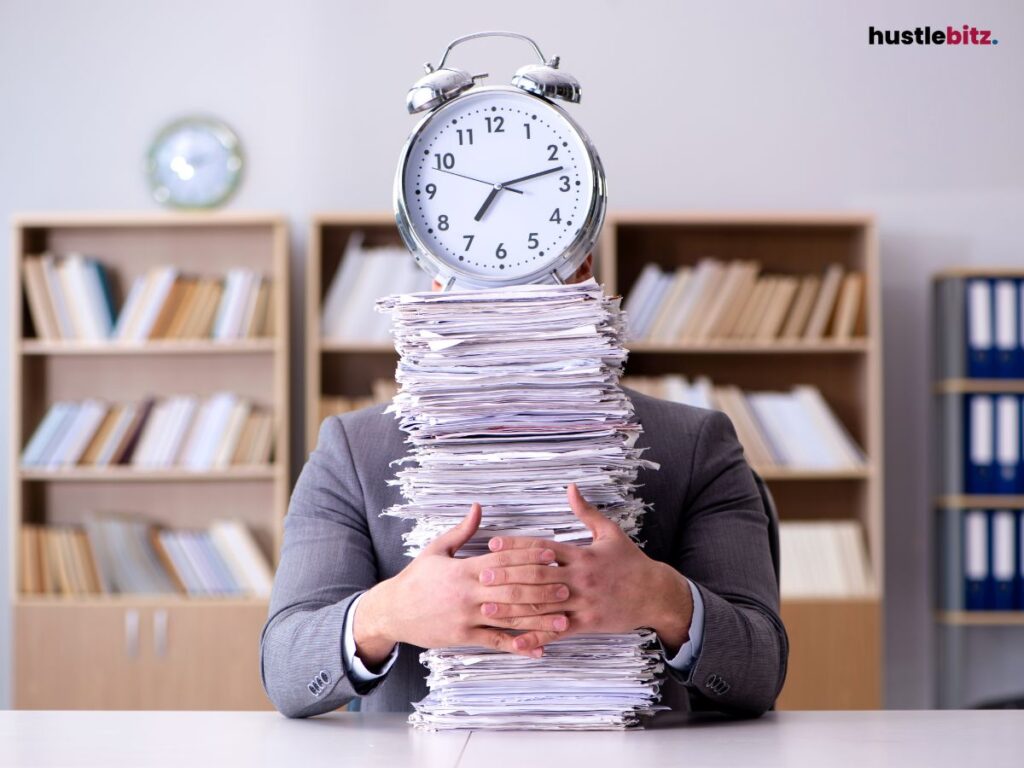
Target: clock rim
[
  {"x": 224, "y": 133},
  {"x": 557, "y": 269}
]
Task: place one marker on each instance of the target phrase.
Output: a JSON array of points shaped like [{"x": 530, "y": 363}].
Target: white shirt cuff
[
  {"x": 360, "y": 674},
  {"x": 688, "y": 654}
]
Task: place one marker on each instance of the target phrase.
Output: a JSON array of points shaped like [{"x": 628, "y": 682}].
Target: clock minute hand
[
  {"x": 532, "y": 176},
  {"x": 481, "y": 181}
]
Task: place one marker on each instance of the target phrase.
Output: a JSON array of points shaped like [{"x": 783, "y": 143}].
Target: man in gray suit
[{"x": 350, "y": 614}]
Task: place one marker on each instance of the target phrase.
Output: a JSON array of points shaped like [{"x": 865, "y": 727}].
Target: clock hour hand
[
  {"x": 488, "y": 183},
  {"x": 532, "y": 176},
  {"x": 487, "y": 202}
]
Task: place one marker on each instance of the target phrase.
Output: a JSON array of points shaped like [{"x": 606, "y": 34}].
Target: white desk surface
[{"x": 964, "y": 739}]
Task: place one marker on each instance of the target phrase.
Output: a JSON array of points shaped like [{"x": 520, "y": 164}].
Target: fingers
[
  {"x": 525, "y": 593},
  {"x": 527, "y": 644},
  {"x": 532, "y": 643},
  {"x": 452, "y": 541},
  {"x": 552, "y": 622},
  {"x": 500, "y": 640},
  {"x": 600, "y": 526},
  {"x": 507, "y": 610},
  {"x": 564, "y": 553},
  {"x": 521, "y": 574},
  {"x": 511, "y": 557}
]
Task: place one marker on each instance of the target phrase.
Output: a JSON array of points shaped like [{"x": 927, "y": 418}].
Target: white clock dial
[
  {"x": 194, "y": 163},
  {"x": 498, "y": 185}
]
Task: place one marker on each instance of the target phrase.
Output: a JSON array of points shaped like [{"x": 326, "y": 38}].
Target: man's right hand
[{"x": 437, "y": 600}]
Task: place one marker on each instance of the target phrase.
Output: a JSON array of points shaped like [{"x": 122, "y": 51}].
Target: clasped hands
[{"x": 513, "y": 599}]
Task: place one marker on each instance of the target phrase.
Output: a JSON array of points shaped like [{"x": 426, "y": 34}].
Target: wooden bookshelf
[
  {"x": 146, "y": 651},
  {"x": 836, "y": 644}
]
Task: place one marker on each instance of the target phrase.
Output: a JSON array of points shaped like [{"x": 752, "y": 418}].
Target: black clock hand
[
  {"x": 488, "y": 183},
  {"x": 531, "y": 176},
  {"x": 487, "y": 203},
  {"x": 504, "y": 185}
]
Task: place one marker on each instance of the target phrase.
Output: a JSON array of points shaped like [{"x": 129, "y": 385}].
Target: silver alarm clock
[{"x": 498, "y": 185}]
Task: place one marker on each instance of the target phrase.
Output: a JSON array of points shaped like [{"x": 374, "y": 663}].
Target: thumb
[
  {"x": 600, "y": 526},
  {"x": 452, "y": 541}
]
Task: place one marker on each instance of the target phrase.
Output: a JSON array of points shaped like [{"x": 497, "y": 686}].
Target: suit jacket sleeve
[
  {"x": 326, "y": 562},
  {"x": 723, "y": 549}
]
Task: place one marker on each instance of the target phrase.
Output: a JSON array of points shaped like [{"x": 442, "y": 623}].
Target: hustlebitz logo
[{"x": 967, "y": 35}]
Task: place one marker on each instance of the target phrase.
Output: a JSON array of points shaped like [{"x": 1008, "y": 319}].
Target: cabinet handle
[
  {"x": 160, "y": 633},
  {"x": 131, "y": 633}
]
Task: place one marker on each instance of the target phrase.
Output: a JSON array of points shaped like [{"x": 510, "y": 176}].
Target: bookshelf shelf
[
  {"x": 187, "y": 652},
  {"x": 139, "y": 601},
  {"x": 155, "y": 347},
  {"x": 129, "y": 474},
  {"x": 981, "y": 618},
  {"x": 791, "y": 473},
  {"x": 727, "y": 347},
  {"x": 979, "y": 501},
  {"x": 356, "y": 347},
  {"x": 993, "y": 386}
]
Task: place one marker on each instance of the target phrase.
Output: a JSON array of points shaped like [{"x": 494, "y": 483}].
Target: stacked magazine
[{"x": 507, "y": 396}]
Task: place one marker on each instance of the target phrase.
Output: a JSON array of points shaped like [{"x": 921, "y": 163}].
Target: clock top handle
[
  {"x": 443, "y": 84},
  {"x": 493, "y": 33}
]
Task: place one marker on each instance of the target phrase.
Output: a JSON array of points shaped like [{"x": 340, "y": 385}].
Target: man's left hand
[{"x": 613, "y": 585}]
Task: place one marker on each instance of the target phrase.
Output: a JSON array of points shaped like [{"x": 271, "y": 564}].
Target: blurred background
[{"x": 764, "y": 131}]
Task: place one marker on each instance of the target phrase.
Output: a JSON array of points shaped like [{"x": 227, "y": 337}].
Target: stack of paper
[{"x": 507, "y": 396}]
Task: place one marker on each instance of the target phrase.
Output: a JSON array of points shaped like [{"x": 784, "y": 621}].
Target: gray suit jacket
[{"x": 707, "y": 521}]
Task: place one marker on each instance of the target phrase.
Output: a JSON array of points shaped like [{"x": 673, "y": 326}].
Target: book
[
  {"x": 58, "y": 300},
  {"x": 803, "y": 304},
  {"x": 824, "y": 303},
  {"x": 44, "y": 316},
  {"x": 848, "y": 306}
]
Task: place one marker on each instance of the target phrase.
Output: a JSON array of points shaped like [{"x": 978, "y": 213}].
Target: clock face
[
  {"x": 194, "y": 163},
  {"x": 498, "y": 184}
]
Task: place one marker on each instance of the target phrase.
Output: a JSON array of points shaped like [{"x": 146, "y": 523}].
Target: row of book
[
  {"x": 180, "y": 431},
  {"x": 113, "y": 555},
  {"x": 71, "y": 298},
  {"x": 794, "y": 429},
  {"x": 982, "y": 448},
  {"x": 981, "y": 554},
  {"x": 364, "y": 274},
  {"x": 824, "y": 559},
  {"x": 982, "y": 322},
  {"x": 733, "y": 300}
]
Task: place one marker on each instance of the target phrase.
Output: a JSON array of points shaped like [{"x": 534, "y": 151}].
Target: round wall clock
[
  {"x": 498, "y": 185},
  {"x": 194, "y": 162}
]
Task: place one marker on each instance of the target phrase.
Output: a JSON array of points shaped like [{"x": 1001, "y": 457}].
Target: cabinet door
[
  {"x": 204, "y": 655},
  {"x": 77, "y": 656}
]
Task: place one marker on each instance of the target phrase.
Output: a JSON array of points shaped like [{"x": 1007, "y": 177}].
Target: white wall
[{"x": 692, "y": 104}]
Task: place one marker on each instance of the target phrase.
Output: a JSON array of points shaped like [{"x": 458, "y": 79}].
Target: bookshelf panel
[
  {"x": 75, "y": 657},
  {"x": 352, "y": 375},
  {"x": 835, "y": 654},
  {"x": 138, "y": 655},
  {"x": 121, "y": 379}
]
